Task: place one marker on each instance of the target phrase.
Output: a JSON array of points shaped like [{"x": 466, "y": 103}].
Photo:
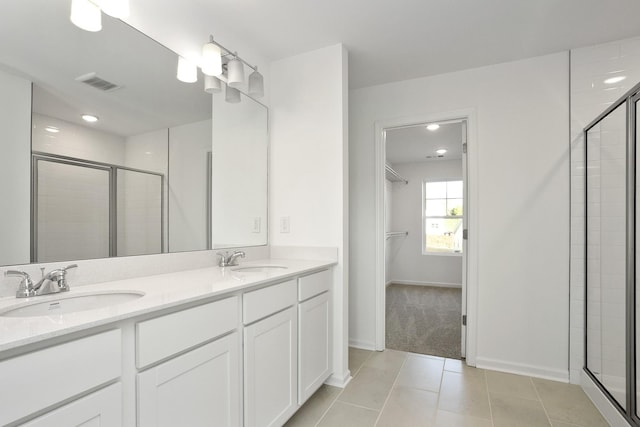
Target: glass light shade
[
  {"x": 232, "y": 95},
  {"x": 256, "y": 84},
  {"x": 116, "y": 8},
  {"x": 187, "y": 72},
  {"x": 86, "y": 15},
  {"x": 212, "y": 84},
  {"x": 211, "y": 60},
  {"x": 235, "y": 73}
]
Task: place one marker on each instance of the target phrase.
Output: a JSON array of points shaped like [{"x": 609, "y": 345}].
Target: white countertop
[{"x": 161, "y": 292}]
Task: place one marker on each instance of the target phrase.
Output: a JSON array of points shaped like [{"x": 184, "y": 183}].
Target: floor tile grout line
[
  {"x": 395, "y": 381},
  {"x": 486, "y": 384},
  {"x": 344, "y": 388},
  {"x": 544, "y": 408}
]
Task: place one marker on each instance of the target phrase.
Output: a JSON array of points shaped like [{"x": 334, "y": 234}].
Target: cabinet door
[
  {"x": 270, "y": 369},
  {"x": 198, "y": 388},
  {"x": 314, "y": 345},
  {"x": 102, "y": 408}
]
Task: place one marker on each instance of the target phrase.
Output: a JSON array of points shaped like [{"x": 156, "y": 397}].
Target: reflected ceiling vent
[{"x": 96, "y": 82}]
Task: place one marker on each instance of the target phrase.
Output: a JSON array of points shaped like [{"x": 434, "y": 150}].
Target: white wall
[
  {"x": 408, "y": 264},
  {"x": 522, "y": 160},
  {"x": 309, "y": 166},
  {"x": 590, "y": 66},
  {"x": 389, "y": 244},
  {"x": 189, "y": 146},
  {"x": 15, "y": 164}
]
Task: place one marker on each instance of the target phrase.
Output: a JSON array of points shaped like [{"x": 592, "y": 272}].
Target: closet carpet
[{"x": 424, "y": 319}]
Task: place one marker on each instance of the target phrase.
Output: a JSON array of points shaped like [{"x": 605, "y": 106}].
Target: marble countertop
[{"x": 160, "y": 292}]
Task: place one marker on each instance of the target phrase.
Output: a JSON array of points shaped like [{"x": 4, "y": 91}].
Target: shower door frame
[
  {"x": 112, "y": 169},
  {"x": 630, "y": 99}
]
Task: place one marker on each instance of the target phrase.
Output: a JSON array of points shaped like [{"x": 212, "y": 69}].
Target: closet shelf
[
  {"x": 391, "y": 234},
  {"x": 394, "y": 176}
]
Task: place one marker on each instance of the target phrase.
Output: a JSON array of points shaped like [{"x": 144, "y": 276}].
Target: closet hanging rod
[{"x": 394, "y": 176}]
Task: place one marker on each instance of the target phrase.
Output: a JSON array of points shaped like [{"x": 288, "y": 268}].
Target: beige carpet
[{"x": 424, "y": 319}]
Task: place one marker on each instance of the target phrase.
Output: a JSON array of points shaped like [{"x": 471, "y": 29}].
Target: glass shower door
[{"x": 606, "y": 231}]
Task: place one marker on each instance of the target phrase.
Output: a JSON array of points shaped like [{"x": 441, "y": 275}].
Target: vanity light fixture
[
  {"x": 433, "y": 126},
  {"x": 440, "y": 151},
  {"x": 86, "y": 15},
  {"x": 256, "y": 84},
  {"x": 614, "y": 80},
  {"x": 211, "y": 59},
  {"x": 212, "y": 84},
  {"x": 187, "y": 71},
  {"x": 90, "y": 118},
  {"x": 235, "y": 73},
  {"x": 232, "y": 95}
]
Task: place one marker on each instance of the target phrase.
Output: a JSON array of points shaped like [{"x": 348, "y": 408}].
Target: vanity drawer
[
  {"x": 266, "y": 301},
  {"x": 37, "y": 380},
  {"x": 159, "y": 338},
  {"x": 314, "y": 284}
]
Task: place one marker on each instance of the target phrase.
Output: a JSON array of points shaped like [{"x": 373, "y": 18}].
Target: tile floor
[{"x": 398, "y": 389}]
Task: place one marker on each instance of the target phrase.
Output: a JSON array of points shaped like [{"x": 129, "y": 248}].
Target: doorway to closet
[{"x": 425, "y": 230}]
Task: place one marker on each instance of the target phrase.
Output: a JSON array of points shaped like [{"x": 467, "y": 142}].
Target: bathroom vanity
[{"x": 218, "y": 346}]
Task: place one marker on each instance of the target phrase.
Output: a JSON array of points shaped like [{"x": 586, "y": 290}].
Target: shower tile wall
[{"x": 589, "y": 97}]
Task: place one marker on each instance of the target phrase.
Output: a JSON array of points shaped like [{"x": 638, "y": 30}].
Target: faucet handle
[
  {"x": 69, "y": 267},
  {"x": 224, "y": 258},
  {"x": 26, "y": 284}
]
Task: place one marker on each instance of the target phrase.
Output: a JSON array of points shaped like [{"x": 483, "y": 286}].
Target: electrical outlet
[{"x": 284, "y": 224}]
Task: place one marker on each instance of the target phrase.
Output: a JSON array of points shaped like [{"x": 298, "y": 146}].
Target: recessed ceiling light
[
  {"x": 613, "y": 80},
  {"x": 90, "y": 118},
  {"x": 52, "y": 129},
  {"x": 441, "y": 151},
  {"x": 433, "y": 126}
]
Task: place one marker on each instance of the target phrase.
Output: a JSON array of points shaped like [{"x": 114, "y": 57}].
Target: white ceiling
[
  {"x": 418, "y": 144},
  {"x": 402, "y": 39}
]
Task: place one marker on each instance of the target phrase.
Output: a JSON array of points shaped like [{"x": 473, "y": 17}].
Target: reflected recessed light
[
  {"x": 441, "y": 151},
  {"x": 89, "y": 118},
  {"x": 614, "y": 80},
  {"x": 52, "y": 129},
  {"x": 433, "y": 126}
]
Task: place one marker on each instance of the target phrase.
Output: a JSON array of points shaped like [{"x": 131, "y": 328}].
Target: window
[{"x": 442, "y": 217}]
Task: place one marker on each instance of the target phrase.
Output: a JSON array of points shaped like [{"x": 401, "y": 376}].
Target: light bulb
[
  {"x": 211, "y": 60},
  {"x": 235, "y": 73},
  {"x": 86, "y": 15},
  {"x": 256, "y": 84},
  {"x": 187, "y": 71}
]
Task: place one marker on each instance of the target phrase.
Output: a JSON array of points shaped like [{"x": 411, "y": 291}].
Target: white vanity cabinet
[
  {"x": 199, "y": 387},
  {"x": 102, "y": 408},
  {"x": 270, "y": 355},
  {"x": 42, "y": 379},
  {"x": 314, "y": 333}
]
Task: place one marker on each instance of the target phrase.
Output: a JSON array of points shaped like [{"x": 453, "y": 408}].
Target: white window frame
[{"x": 424, "y": 216}]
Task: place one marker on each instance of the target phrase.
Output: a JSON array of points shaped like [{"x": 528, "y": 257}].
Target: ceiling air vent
[{"x": 96, "y": 82}]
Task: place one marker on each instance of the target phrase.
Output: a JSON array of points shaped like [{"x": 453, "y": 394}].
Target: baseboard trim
[
  {"x": 362, "y": 345},
  {"x": 606, "y": 408},
  {"x": 523, "y": 369},
  {"x": 419, "y": 283},
  {"x": 337, "y": 381}
]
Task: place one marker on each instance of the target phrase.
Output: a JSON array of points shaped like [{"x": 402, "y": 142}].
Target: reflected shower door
[
  {"x": 140, "y": 212},
  {"x": 71, "y": 211},
  {"x": 606, "y": 253}
]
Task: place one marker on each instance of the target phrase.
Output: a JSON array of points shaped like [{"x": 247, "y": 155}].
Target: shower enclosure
[
  {"x": 84, "y": 210},
  {"x": 611, "y": 303}
]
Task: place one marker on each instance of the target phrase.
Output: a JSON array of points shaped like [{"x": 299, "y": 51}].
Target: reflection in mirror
[
  {"x": 239, "y": 214},
  {"x": 138, "y": 180}
]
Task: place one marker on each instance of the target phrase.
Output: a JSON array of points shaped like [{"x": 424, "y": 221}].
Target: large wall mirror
[{"x": 154, "y": 174}]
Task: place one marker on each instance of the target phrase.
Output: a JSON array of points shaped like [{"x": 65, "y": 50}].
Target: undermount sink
[
  {"x": 258, "y": 268},
  {"x": 70, "y": 304}
]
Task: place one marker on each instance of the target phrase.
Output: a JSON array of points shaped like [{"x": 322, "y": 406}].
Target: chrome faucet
[
  {"x": 227, "y": 260},
  {"x": 53, "y": 282}
]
